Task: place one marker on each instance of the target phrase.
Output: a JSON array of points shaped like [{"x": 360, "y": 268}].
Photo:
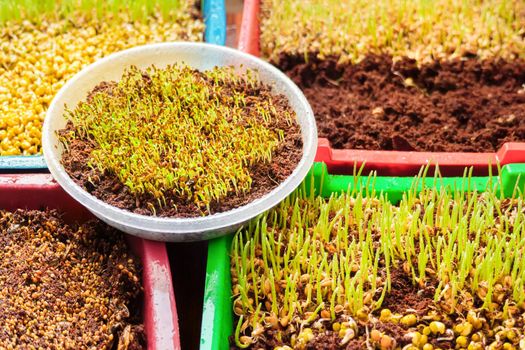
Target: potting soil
[{"x": 458, "y": 106}]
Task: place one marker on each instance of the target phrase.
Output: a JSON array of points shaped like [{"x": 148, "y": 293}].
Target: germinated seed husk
[
  {"x": 38, "y": 55},
  {"x": 65, "y": 286},
  {"x": 436, "y": 271}
]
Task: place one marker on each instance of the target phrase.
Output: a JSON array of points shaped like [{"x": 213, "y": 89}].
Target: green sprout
[
  {"x": 420, "y": 29},
  {"x": 326, "y": 264},
  {"x": 16, "y": 10},
  {"x": 178, "y": 132}
]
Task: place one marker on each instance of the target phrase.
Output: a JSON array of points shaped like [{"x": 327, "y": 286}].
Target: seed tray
[
  {"x": 217, "y": 317},
  {"x": 214, "y": 15},
  {"x": 40, "y": 191},
  {"x": 388, "y": 163}
]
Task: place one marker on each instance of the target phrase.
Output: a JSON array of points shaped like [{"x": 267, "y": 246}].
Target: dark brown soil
[
  {"x": 107, "y": 187},
  {"x": 79, "y": 283},
  {"x": 404, "y": 295},
  {"x": 459, "y": 106},
  {"x": 330, "y": 340}
]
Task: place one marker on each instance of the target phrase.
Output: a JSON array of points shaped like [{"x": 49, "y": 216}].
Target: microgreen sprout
[
  {"x": 13, "y": 10},
  {"x": 340, "y": 259},
  {"x": 419, "y": 29},
  {"x": 178, "y": 132}
]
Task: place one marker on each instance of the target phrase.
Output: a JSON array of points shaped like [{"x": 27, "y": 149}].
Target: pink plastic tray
[
  {"x": 390, "y": 163},
  {"x": 39, "y": 191}
]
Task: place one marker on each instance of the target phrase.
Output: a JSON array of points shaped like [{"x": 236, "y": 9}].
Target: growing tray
[
  {"x": 217, "y": 317},
  {"x": 39, "y": 191},
  {"x": 390, "y": 163},
  {"x": 214, "y": 15}
]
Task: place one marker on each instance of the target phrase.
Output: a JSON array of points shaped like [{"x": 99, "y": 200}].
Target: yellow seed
[
  {"x": 428, "y": 346},
  {"x": 306, "y": 335},
  {"x": 395, "y": 318},
  {"x": 419, "y": 339},
  {"x": 474, "y": 320},
  {"x": 336, "y": 326},
  {"x": 409, "y": 320},
  {"x": 375, "y": 335},
  {"x": 476, "y": 337},
  {"x": 362, "y": 315},
  {"x": 501, "y": 334},
  {"x": 25, "y": 145},
  {"x": 461, "y": 341},
  {"x": 458, "y": 328},
  {"x": 475, "y": 346},
  {"x": 464, "y": 328},
  {"x": 387, "y": 342},
  {"x": 437, "y": 327},
  {"x": 385, "y": 315}
]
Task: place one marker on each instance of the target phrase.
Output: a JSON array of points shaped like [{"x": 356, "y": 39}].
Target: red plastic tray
[
  {"x": 39, "y": 191},
  {"x": 389, "y": 163}
]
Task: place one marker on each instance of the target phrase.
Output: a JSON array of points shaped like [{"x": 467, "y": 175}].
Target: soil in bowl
[
  {"x": 67, "y": 286},
  {"x": 436, "y": 271},
  {"x": 463, "y": 105},
  {"x": 177, "y": 142},
  {"x": 43, "y": 44}
]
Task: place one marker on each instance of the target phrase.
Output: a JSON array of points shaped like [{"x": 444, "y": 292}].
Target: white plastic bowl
[{"x": 203, "y": 57}]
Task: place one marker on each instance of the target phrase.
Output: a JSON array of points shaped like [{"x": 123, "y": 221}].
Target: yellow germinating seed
[
  {"x": 419, "y": 29},
  {"x": 38, "y": 57}
]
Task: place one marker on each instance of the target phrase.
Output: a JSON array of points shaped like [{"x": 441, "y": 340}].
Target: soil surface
[
  {"x": 403, "y": 298},
  {"x": 107, "y": 187},
  {"x": 405, "y": 295},
  {"x": 459, "y": 106},
  {"x": 78, "y": 285},
  {"x": 330, "y": 340}
]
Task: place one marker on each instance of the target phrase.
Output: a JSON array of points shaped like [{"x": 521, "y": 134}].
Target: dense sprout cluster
[
  {"x": 181, "y": 132},
  {"x": 419, "y": 29},
  {"x": 316, "y": 268},
  {"x": 65, "y": 287},
  {"x": 48, "y": 42}
]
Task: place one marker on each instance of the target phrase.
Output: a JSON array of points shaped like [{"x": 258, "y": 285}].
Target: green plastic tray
[{"x": 217, "y": 317}]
